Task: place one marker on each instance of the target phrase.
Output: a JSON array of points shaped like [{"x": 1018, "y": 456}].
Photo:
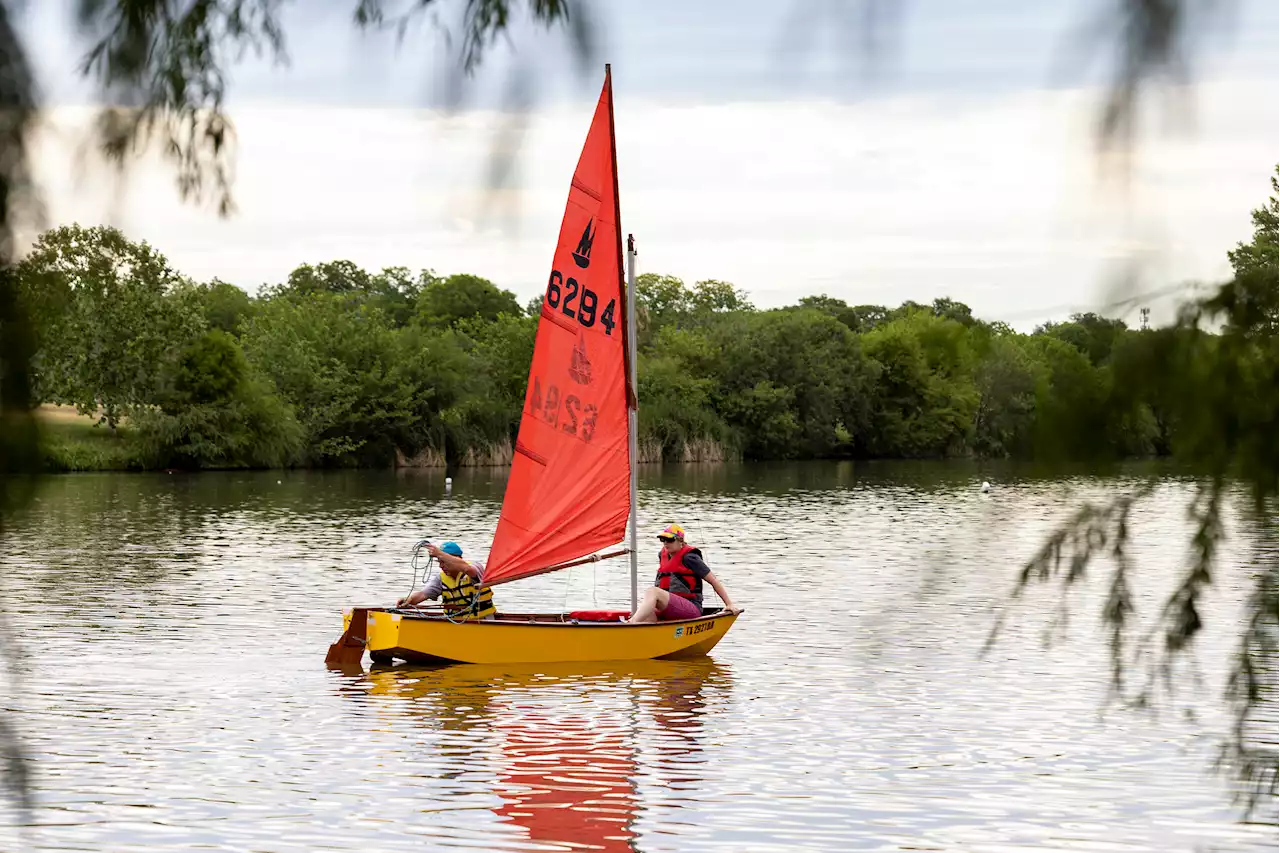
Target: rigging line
[
  {"x": 564, "y": 605},
  {"x": 1128, "y": 300},
  {"x": 413, "y": 565}
]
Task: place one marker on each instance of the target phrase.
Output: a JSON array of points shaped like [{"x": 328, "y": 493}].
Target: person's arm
[
  {"x": 699, "y": 567},
  {"x": 454, "y": 564},
  {"x": 430, "y": 592},
  {"x": 721, "y": 591},
  {"x": 412, "y": 598}
]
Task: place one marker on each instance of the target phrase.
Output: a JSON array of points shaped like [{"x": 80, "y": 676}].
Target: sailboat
[{"x": 572, "y": 489}]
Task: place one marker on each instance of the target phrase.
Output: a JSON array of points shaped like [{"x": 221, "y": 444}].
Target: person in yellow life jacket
[
  {"x": 457, "y": 585},
  {"x": 677, "y": 591}
]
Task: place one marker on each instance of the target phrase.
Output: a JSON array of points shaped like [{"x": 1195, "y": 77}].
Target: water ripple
[{"x": 175, "y": 699}]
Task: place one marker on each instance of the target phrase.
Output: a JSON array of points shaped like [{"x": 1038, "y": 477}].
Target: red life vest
[{"x": 669, "y": 567}]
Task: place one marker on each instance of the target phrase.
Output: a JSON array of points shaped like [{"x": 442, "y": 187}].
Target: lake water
[{"x": 174, "y": 697}]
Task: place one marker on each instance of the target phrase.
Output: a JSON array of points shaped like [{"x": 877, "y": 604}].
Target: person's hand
[
  {"x": 434, "y": 551},
  {"x": 731, "y": 610},
  {"x": 400, "y": 602}
]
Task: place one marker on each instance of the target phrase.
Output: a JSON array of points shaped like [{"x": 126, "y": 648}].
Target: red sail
[{"x": 569, "y": 490}]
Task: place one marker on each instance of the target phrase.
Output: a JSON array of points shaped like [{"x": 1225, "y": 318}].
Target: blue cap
[{"x": 452, "y": 548}]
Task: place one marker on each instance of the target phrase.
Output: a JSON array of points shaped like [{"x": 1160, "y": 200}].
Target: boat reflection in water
[{"x": 564, "y": 745}]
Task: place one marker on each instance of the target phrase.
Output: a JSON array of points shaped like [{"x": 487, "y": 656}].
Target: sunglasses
[{"x": 666, "y": 538}]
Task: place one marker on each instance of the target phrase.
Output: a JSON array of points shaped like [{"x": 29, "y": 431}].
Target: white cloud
[{"x": 992, "y": 202}]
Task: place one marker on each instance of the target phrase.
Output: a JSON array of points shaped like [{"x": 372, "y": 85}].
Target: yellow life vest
[{"x": 463, "y": 599}]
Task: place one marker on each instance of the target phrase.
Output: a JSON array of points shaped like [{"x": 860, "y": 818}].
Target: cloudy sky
[{"x": 756, "y": 144}]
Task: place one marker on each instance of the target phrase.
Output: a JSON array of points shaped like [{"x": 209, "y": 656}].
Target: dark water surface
[{"x": 173, "y": 629}]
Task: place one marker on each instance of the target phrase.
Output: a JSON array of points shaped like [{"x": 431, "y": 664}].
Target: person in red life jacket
[{"x": 677, "y": 592}]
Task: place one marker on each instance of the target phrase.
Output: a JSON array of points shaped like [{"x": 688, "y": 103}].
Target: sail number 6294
[{"x": 564, "y": 294}]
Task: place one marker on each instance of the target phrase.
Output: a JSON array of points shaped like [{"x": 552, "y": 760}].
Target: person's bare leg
[{"x": 654, "y": 602}]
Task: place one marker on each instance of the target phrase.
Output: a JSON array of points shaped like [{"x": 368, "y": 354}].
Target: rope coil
[{"x": 454, "y": 616}]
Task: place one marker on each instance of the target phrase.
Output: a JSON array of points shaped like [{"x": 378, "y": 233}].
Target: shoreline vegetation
[
  {"x": 72, "y": 442},
  {"x": 138, "y": 367}
]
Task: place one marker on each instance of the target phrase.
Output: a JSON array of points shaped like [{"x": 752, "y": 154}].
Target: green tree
[
  {"x": 949, "y": 309},
  {"x": 864, "y": 318},
  {"x": 712, "y": 296},
  {"x": 925, "y": 400},
  {"x": 661, "y": 300},
  {"x": 1140, "y": 375},
  {"x": 500, "y": 352},
  {"x": 446, "y": 302},
  {"x": 333, "y": 364},
  {"x": 215, "y": 412},
  {"x": 676, "y": 383},
  {"x": 211, "y": 368},
  {"x": 793, "y": 382},
  {"x": 676, "y": 409},
  {"x": 832, "y": 307},
  {"x": 1259, "y": 254},
  {"x": 327, "y": 277},
  {"x": 1006, "y": 378},
  {"x": 393, "y": 291},
  {"x": 112, "y": 311},
  {"x": 826, "y": 304},
  {"x": 1093, "y": 335},
  {"x": 224, "y": 305},
  {"x": 361, "y": 388},
  {"x": 1071, "y": 402},
  {"x": 907, "y": 309}
]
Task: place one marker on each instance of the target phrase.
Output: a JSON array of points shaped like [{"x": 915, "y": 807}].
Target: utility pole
[{"x": 1146, "y": 318}]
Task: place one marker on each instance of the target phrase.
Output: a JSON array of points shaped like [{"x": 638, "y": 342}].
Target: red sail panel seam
[
  {"x": 522, "y": 449},
  {"x": 587, "y": 190},
  {"x": 559, "y": 319}
]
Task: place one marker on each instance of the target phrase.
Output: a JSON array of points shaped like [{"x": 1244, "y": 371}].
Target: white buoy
[
  {"x": 986, "y": 487},
  {"x": 448, "y": 485}
]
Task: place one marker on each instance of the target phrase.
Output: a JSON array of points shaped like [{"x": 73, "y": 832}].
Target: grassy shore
[{"x": 70, "y": 441}]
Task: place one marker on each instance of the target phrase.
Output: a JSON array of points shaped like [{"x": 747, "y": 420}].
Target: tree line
[{"x": 340, "y": 366}]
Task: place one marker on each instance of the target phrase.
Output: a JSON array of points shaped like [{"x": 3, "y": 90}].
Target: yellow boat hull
[{"x": 541, "y": 639}]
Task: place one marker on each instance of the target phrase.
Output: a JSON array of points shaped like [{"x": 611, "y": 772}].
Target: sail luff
[
  {"x": 628, "y": 348},
  {"x": 632, "y": 419}
]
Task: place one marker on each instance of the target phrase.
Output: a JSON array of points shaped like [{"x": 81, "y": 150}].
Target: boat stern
[
  {"x": 384, "y": 633},
  {"x": 364, "y": 628}
]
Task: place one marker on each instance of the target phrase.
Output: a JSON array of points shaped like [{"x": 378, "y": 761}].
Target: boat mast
[
  {"x": 629, "y": 329},
  {"x": 631, "y": 410}
]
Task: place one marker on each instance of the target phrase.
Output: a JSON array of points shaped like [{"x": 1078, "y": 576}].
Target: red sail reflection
[
  {"x": 569, "y": 780},
  {"x": 563, "y": 741}
]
